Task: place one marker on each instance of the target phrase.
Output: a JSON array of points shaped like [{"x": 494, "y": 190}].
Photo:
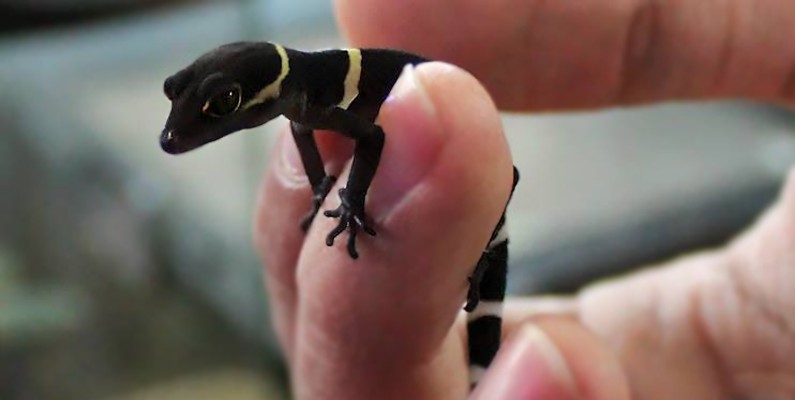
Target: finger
[
  {"x": 687, "y": 333},
  {"x": 284, "y": 200},
  {"x": 534, "y": 54},
  {"x": 710, "y": 326},
  {"x": 554, "y": 359},
  {"x": 660, "y": 335},
  {"x": 518, "y": 311},
  {"x": 379, "y": 326}
]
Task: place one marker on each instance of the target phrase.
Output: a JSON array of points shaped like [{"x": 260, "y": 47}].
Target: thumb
[{"x": 554, "y": 359}]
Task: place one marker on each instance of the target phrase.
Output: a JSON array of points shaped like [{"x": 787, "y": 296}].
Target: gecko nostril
[{"x": 168, "y": 141}]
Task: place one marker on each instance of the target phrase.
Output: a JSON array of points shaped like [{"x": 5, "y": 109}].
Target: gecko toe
[
  {"x": 320, "y": 193},
  {"x": 336, "y": 232},
  {"x": 361, "y": 223},
  {"x": 352, "y": 242}
]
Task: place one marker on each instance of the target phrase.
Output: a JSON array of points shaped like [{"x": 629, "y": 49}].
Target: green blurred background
[{"x": 129, "y": 274}]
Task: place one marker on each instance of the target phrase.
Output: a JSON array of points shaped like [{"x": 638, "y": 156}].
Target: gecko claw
[
  {"x": 362, "y": 224},
  {"x": 352, "y": 218}
]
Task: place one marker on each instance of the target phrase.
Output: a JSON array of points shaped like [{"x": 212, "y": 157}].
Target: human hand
[{"x": 712, "y": 326}]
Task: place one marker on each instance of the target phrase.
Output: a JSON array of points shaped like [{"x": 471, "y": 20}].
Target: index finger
[
  {"x": 565, "y": 54},
  {"x": 380, "y": 327}
]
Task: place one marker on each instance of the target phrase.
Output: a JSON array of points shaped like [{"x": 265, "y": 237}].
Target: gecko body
[{"x": 243, "y": 85}]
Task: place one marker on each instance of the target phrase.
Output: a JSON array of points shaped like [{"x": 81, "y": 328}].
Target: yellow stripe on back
[
  {"x": 273, "y": 89},
  {"x": 352, "y": 78}
]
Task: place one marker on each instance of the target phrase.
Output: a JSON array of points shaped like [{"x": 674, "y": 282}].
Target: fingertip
[
  {"x": 554, "y": 359},
  {"x": 414, "y": 139}
]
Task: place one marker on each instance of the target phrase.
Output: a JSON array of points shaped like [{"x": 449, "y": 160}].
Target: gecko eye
[{"x": 224, "y": 103}]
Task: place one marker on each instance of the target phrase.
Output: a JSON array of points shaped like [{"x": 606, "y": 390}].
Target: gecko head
[{"x": 231, "y": 88}]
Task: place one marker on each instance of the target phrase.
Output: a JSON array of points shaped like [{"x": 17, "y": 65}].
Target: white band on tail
[
  {"x": 476, "y": 374},
  {"x": 486, "y": 308},
  {"x": 502, "y": 235}
]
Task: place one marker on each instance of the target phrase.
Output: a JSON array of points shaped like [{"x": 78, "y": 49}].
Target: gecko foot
[
  {"x": 321, "y": 191},
  {"x": 351, "y": 216}
]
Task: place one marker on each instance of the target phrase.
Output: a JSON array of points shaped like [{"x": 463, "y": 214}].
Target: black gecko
[{"x": 244, "y": 85}]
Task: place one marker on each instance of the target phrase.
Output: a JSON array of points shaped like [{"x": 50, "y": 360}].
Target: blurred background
[{"x": 129, "y": 274}]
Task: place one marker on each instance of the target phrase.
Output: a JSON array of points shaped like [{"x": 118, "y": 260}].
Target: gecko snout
[{"x": 168, "y": 142}]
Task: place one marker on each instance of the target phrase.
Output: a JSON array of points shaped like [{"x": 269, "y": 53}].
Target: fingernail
[
  {"x": 414, "y": 139},
  {"x": 410, "y": 87},
  {"x": 530, "y": 367},
  {"x": 292, "y": 167}
]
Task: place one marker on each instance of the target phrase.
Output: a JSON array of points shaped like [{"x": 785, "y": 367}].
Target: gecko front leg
[
  {"x": 369, "y": 139},
  {"x": 367, "y": 155},
  {"x": 313, "y": 165}
]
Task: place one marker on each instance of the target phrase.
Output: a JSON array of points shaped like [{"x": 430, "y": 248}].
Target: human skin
[{"x": 716, "y": 325}]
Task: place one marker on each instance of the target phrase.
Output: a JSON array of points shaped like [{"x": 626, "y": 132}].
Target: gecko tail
[{"x": 484, "y": 321}]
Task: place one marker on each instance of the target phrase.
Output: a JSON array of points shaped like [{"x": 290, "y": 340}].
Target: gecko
[{"x": 243, "y": 85}]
